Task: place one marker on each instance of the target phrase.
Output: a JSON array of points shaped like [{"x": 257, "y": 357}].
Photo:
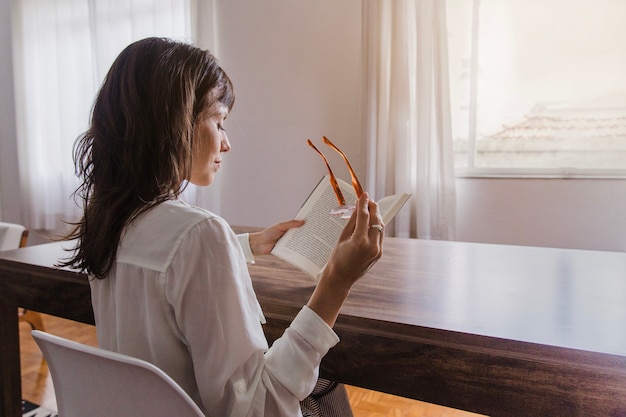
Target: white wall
[
  {"x": 568, "y": 213},
  {"x": 296, "y": 68}
]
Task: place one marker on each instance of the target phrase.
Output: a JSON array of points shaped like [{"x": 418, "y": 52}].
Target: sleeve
[
  {"x": 215, "y": 308},
  {"x": 244, "y": 242}
]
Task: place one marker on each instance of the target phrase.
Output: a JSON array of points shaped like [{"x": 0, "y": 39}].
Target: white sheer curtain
[
  {"x": 62, "y": 50},
  {"x": 408, "y": 113}
]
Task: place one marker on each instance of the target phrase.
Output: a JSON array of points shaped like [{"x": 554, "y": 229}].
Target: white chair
[
  {"x": 12, "y": 236},
  {"x": 90, "y": 381}
]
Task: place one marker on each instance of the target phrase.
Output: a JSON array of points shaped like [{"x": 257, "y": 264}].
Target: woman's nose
[{"x": 225, "y": 144}]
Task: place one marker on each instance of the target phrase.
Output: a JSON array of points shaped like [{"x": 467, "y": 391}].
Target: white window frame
[{"x": 472, "y": 171}]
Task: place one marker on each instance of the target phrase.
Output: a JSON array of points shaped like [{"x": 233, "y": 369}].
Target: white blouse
[{"x": 179, "y": 295}]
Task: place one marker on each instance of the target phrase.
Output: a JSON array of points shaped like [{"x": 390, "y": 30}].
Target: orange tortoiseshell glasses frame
[{"x": 333, "y": 180}]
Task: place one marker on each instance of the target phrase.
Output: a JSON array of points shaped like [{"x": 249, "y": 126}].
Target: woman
[{"x": 170, "y": 282}]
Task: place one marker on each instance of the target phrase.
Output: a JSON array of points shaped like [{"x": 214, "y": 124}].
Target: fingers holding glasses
[
  {"x": 368, "y": 218},
  {"x": 375, "y": 232},
  {"x": 376, "y": 228},
  {"x": 370, "y": 225}
]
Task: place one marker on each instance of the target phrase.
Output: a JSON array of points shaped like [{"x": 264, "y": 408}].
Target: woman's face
[{"x": 210, "y": 140}]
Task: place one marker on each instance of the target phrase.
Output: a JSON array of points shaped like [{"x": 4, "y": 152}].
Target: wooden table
[{"x": 494, "y": 329}]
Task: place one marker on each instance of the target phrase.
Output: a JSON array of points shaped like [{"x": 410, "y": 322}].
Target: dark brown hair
[{"x": 137, "y": 151}]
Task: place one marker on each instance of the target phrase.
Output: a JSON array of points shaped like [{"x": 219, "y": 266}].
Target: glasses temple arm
[
  {"x": 333, "y": 180},
  {"x": 355, "y": 181}
]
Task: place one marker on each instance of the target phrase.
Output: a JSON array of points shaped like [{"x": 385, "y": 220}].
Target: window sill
[{"x": 556, "y": 173}]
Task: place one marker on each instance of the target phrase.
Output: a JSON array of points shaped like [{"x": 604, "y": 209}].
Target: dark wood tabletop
[{"x": 494, "y": 329}]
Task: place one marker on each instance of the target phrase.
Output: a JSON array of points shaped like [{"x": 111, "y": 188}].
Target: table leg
[{"x": 10, "y": 373}]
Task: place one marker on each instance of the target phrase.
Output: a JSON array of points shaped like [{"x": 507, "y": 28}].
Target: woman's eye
[{"x": 221, "y": 127}]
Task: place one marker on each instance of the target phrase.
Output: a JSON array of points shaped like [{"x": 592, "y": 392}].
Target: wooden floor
[{"x": 37, "y": 386}]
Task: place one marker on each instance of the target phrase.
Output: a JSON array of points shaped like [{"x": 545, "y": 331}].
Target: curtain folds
[
  {"x": 408, "y": 113},
  {"x": 62, "y": 50}
]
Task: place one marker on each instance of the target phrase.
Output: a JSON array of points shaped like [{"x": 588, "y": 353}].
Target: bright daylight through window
[{"x": 538, "y": 87}]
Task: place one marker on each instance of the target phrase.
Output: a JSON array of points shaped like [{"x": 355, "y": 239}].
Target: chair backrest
[
  {"x": 12, "y": 236},
  {"x": 90, "y": 381}
]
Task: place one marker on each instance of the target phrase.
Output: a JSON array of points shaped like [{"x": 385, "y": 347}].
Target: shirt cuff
[
  {"x": 314, "y": 330},
  {"x": 244, "y": 242}
]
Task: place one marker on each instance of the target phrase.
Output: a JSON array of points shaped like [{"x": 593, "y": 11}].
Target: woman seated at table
[{"x": 169, "y": 281}]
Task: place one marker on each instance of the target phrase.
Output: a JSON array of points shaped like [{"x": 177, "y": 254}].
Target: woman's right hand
[{"x": 359, "y": 247}]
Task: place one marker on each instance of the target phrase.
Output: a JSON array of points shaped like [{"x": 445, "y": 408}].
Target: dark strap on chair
[{"x": 328, "y": 399}]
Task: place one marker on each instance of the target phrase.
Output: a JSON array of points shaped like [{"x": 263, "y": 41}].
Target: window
[
  {"x": 538, "y": 87},
  {"x": 61, "y": 52}
]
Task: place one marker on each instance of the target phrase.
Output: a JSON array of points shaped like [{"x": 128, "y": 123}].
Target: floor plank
[{"x": 37, "y": 385}]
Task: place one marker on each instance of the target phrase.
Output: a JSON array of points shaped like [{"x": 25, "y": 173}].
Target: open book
[{"x": 308, "y": 247}]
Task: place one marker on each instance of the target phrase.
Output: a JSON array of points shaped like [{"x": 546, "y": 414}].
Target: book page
[
  {"x": 310, "y": 245},
  {"x": 390, "y": 205}
]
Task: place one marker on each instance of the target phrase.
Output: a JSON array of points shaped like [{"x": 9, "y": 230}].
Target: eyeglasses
[{"x": 344, "y": 210}]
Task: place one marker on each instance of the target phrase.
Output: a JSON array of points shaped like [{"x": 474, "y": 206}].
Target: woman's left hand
[{"x": 263, "y": 242}]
